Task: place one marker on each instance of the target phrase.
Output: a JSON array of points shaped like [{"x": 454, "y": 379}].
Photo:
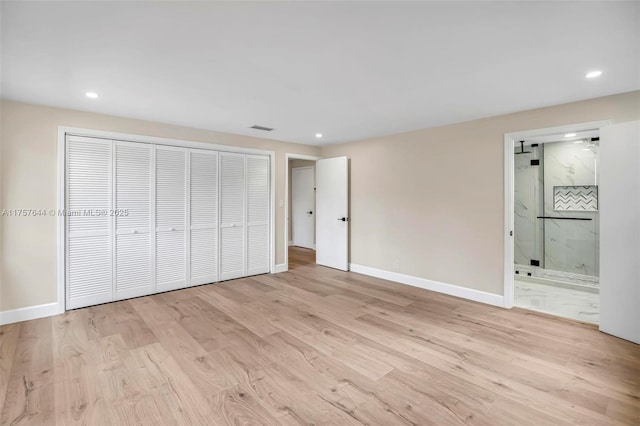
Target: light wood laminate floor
[{"x": 313, "y": 346}]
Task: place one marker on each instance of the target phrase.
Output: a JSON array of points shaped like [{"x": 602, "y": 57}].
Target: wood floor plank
[
  {"x": 313, "y": 346},
  {"x": 241, "y": 313},
  {"x": 30, "y": 395},
  {"x": 9, "y": 335},
  {"x": 206, "y": 324},
  {"x": 291, "y": 397},
  {"x": 206, "y": 374},
  {"x": 237, "y": 406},
  {"x": 78, "y": 397},
  {"x": 171, "y": 385},
  {"x": 121, "y": 318}
]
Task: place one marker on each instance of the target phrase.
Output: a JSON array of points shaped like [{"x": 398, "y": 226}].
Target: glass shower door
[{"x": 571, "y": 227}]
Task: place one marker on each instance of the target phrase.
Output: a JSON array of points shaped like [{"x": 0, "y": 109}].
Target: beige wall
[
  {"x": 292, "y": 164},
  {"x": 433, "y": 199},
  {"x": 28, "y": 144}
]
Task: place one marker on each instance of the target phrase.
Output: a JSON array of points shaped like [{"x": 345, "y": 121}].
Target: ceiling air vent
[{"x": 266, "y": 129}]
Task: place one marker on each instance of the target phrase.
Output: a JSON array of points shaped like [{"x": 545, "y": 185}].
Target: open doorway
[
  {"x": 301, "y": 210},
  {"x": 554, "y": 220}
]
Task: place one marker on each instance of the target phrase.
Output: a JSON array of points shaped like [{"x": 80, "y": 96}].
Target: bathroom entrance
[{"x": 556, "y": 224}]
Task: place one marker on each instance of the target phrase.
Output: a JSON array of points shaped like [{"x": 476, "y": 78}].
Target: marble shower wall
[
  {"x": 528, "y": 230},
  {"x": 570, "y": 245}
]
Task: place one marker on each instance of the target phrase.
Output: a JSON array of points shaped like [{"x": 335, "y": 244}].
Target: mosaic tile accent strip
[{"x": 575, "y": 198}]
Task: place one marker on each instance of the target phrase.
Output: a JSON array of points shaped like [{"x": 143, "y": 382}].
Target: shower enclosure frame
[{"x": 509, "y": 195}]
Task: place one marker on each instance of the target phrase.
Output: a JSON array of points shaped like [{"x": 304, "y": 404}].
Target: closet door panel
[
  {"x": 258, "y": 215},
  {"x": 258, "y": 259},
  {"x": 133, "y": 265},
  {"x": 204, "y": 256},
  {"x": 171, "y": 206},
  {"x": 204, "y": 216},
  {"x": 232, "y": 253},
  {"x": 232, "y": 216},
  {"x": 89, "y": 272},
  {"x": 133, "y": 195},
  {"x": 170, "y": 265}
]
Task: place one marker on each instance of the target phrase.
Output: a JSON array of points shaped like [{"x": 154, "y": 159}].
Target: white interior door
[
  {"x": 332, "y": 219},
  {"x": 619, "y": 205},
  {"x": 133, "y": 240},
  {"x": 303, "y": 206},
  {"x": 203, "y": 214},
  {"x": 171, "y": 215}
]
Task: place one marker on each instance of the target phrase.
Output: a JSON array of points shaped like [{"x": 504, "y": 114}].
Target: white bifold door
[
  {"x": 144, "y": 218},
  {"x": 204, "y": 217},
  {"x": 171, "y": 218},
  {"x": 244, "y": 215},
  {"x": 232, "y": 215},
  {"x": 89, "y": 229},
  {"x": 258, "y": 217},
  {"x": 134, "y": 230}
]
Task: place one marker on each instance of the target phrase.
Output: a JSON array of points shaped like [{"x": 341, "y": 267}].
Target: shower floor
[{"x": 561, "y": 301}]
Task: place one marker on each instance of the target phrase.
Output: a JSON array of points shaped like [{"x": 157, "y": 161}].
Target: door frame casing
[
  {"x": 64, "y": 131},
  {"x": 509, "y": 188},
  {"x": 293, "y": 205},
  {"x": 290, "y": 156}
]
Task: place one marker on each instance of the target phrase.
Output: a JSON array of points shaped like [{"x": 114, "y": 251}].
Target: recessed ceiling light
[
  {"x": 569, "y": 135},
  {"x": 579, "y": 141},
  {"x": 318, "y": 135},
  {"x": 593, "y": 74},
  {"x": 92, "y": 95}
]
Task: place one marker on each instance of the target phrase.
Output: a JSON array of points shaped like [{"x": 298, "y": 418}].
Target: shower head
[{"x": 522, "y": 151}]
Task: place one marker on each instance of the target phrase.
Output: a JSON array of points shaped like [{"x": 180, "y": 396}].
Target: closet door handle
[
  {"x": 309, "y": 212},
  {"x": 343, "y": 219}
]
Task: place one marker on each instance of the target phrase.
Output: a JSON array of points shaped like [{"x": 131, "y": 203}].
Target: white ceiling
[{"x": 349, "y": 70}]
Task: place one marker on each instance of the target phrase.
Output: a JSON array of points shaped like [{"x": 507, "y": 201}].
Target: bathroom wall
[
  {"x": 528, "y": 192},
  {"x": 570, "y": 245}
]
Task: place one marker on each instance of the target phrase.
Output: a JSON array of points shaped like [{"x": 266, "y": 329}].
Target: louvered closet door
[
  {"x": 203, "y": 212},
  {"x": 258, "y": 193},
  {"x": 133, "y": 193},
  {"x": 232, "y": 216},
  {"x": 89, "y": 276},
  {"x": 171, "y": 204}
]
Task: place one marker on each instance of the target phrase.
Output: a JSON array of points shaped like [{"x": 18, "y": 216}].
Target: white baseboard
[
  {"x": 29, "y": 313},
  {"x": 450, "y": 289},
  {"x": 280, "y": 268}
]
